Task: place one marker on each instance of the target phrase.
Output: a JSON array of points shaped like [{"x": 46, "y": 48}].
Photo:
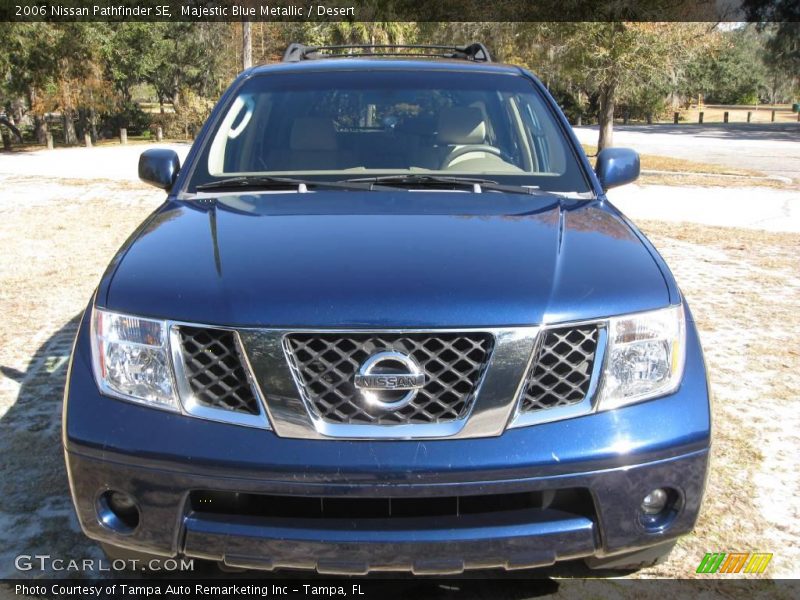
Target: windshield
[{"x": 338, "y": 125}]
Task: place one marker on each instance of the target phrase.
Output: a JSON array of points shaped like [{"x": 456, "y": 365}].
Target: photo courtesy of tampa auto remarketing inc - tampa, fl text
[{"x": 397, "y": 299}]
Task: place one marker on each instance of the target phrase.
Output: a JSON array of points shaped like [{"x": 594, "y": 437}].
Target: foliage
[
  {"x": 128, "y": 115},
  {"x": 733, "y": 73},
  {"x": 86, "y": 73},
  {"x": 191, "y": 114}
]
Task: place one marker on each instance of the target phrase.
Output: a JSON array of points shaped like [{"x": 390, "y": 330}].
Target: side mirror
[
  {"x": 616, "y": 166},
  {"x": 159, "y": 167}
]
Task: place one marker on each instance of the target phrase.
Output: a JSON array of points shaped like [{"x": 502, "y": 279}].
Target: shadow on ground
[
  {"x": 37, "y": 518},
  {"x": 36, "y": 515}
]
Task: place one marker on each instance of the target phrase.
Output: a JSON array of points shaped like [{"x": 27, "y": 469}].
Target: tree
[
  {"x": 731, "y": 73},
  {"x": 247, "y": 45},
  {"x": 27, "y": 70},
  {"x": 369, "y": 32},
  {"x": 78, "y": 76},
  {"x": 781, "y": 20},
  {"x": 617, "y": 59},
  {"x": 192, "y": 55},
  {"x": 131, "y": 53}
]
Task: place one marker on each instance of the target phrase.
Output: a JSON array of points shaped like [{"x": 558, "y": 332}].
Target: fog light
[
  {"x": 118, "y": 511},
  {"x": 655, "y": 502}
]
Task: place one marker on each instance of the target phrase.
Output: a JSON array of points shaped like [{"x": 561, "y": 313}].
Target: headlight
[
  {"x": 130, "y": 358},
  {"x": 644, "y": 357}
]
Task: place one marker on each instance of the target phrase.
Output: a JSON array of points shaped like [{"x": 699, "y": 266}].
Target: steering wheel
[{"x": 474, "y": 148}]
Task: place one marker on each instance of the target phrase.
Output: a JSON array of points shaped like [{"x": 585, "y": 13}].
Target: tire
[{"x": 633, "y": 561}]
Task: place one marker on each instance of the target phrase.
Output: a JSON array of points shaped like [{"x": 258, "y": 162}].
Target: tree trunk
[
  {"x": 70, "y": 137},
  {"x": 40, "y": 129},
  {"x": 39, "y": 122},
  {"x": 247, "y": 45},
  {"x": 83, "y": 123},
  {"x": 176, "y": 97},
  {"x": 93, "y": 124},
  {"x": 605, "y": 116}
]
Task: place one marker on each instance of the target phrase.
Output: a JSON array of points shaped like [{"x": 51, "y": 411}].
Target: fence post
[
  {"x": 49, "y": 141},
  {"x": 159, "y": 134},
  {"x": 700, "y": 117},
  {"x": 676, "y": 117},
  {"x": 749, "y": 115},
  {"x": 123, "y": 135},
  {"x": 772, "y": 119},
  {"x": 725, "y": 117}
]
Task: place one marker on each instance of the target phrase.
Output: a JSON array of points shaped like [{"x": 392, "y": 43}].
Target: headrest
[
  {"x": 461, "y": 125},
  {"x": 312, "y": 133}
]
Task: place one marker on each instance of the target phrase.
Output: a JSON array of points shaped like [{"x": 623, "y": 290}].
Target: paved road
[{"x": 772, "y": 148}]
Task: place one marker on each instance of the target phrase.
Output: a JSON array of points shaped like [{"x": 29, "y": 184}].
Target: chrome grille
[
  {"x": 325, "y": 364},
  {"x": 561, "y": 373},
  {"x": 215, "y": 370}
]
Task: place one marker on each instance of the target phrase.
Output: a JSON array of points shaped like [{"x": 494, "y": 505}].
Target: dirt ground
[{"x": 743, "y": 286}]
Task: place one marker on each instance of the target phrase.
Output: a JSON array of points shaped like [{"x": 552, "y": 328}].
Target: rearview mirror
[
  {"x": 617, "y": 166},
  {"x": 159, "y": 167}
]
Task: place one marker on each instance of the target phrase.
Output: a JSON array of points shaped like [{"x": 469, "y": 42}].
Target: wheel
[{"x": 633, "y": 561}]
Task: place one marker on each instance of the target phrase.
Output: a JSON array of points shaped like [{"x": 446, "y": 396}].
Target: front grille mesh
[
  {"x": 215, "y": 370},
  {"x": 325, "y": 366},
  {"x": 562, "y": 371}
]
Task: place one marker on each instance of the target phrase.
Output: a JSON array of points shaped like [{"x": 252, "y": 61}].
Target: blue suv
[{"x": 387, "y": 320}]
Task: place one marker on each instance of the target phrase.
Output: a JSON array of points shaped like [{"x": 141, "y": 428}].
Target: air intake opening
[{"x": 575, "y": 501}]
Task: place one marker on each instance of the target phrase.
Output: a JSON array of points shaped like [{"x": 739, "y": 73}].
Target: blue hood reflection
[{"x": 383, "y": 259}]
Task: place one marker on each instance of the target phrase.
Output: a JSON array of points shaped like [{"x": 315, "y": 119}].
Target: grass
[
  {"x": 742, "y": 285},
  {"x": 738, "y": 114},
  {"x": 656, "y": 162},
  {"x": 666, "y": 170},
  {"x": 715, "y": 114},
  {"x": 743, "y": 290}
]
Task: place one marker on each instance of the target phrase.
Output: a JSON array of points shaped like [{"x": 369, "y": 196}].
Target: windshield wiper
[
  {"x": 266, "y": 181},
  {"x": 475, "y": 183}
]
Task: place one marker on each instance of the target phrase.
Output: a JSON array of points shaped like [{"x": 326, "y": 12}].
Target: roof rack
[{"x": 476, "y": 52}]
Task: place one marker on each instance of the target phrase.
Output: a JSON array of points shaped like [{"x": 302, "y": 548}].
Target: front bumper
[{"x": 159, "y": 458}]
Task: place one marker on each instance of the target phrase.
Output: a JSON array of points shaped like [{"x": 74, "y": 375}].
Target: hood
[{"x": 383, "y": 259}]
